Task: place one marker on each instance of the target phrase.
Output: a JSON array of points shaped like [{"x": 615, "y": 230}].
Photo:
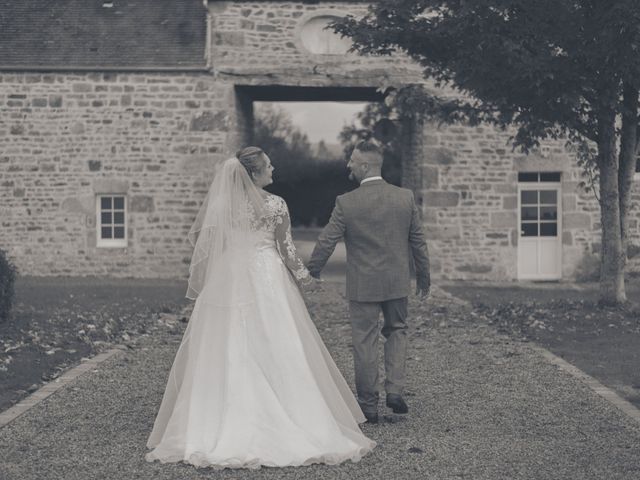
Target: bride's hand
[{"x": 311, "y": 284}]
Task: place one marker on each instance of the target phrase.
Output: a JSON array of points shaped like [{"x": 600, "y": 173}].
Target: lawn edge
[
  {"x": 605, "y": 392},
  {"x": 53, "y": 386}
]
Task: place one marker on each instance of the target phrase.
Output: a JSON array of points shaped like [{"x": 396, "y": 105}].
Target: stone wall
[
  {"x": 470, "y": 203},
  {"x": 66, "y": 137},
  {"x": 260, "y": 43}
]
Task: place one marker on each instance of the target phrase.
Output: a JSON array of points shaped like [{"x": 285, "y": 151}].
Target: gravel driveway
[{"x": 482, "y": 407}]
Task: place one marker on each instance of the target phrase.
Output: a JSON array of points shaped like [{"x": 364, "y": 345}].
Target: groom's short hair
[{"x": 367, "y": 146}]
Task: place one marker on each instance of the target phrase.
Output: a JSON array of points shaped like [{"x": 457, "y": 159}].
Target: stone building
[{"x": 113, "y": 114}]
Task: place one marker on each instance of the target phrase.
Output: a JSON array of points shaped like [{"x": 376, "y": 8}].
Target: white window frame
[
  {"x": 111, "y": 242},
  {"x": 542, "y": 186}
]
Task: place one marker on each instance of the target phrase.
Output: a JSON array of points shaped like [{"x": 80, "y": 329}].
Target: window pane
[
  {"x": 529, "y": 197},
  {"x": 118, "y": 218},
  {"x": 529, "y": 230},
  {"x": 529, "y": 213},
  {"x": 118, "y": 203},
  {"x": 528, "y": 176},
  {"x": 548, "y": 213},
  {"x": 106, "y": 218},
  {"x": 118, "y": 232},
  {"x": 106, "y": 232},
  {"x": 549, "y": 197},
  {"x": 549, "y": 176},
  {"x": 105, "y": 203},
  {"x": 549, "y": 229}
]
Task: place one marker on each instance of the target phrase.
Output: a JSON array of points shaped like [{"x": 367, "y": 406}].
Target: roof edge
[{"x": 119, "y": 69}]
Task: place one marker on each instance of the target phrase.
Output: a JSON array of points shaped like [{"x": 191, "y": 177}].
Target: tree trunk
[
  {"x": 627, "y": 162},
  {"x": 612, "y": 261}
]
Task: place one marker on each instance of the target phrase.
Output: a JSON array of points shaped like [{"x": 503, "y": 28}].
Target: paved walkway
[{"x": 482, "y": 407}]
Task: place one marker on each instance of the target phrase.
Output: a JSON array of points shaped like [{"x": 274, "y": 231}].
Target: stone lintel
[
  {"x": 110, "y": 185},
  {"x": 537, "y": 163}
]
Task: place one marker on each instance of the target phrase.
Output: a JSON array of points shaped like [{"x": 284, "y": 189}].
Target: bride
[{"x": 252, "y": 383}]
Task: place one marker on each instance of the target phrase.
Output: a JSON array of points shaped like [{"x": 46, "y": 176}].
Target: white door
[{"x": 540, "y": 241}]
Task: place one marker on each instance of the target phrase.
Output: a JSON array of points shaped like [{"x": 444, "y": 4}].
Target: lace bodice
[{"x": 275, "y": 224}]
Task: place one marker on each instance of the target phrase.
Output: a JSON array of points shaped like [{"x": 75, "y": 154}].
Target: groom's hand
[
  {"x": 423, "y": 285},
  {"x": 422, "y": 292},
  {"x": 315, "y": 275}
]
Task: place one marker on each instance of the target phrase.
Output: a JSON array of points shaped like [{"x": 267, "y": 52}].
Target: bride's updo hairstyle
[{"x": 252, "y": 159}]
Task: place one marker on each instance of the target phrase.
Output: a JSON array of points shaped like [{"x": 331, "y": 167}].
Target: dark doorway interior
[{"x": 308, "y": 175}]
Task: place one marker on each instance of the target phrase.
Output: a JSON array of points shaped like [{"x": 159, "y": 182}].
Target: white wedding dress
[{"x": 252, "y": 383}]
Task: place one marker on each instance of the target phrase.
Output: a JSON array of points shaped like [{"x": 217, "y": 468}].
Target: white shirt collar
[{"x": 370, "y": 179}]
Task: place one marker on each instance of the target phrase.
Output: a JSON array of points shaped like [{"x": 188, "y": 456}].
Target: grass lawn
[
  {"x": 56, "y": 321},
  {"x": 565, "y": 319}
]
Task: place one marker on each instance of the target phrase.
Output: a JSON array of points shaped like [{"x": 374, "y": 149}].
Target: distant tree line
[
  {"x": 308, "y": 178},
  {"x": 308, "y": 181}
]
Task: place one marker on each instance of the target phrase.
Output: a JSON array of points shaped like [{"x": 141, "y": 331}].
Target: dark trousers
[{"x": 365, "y": 329}]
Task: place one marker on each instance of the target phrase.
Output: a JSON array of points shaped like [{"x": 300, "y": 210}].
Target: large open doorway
[
  {"x": 311, "y": 170},
  {"x": 311, "y": 200}
]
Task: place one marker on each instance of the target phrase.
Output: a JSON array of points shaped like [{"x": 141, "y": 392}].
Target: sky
[{"x": 322, "y": 120}]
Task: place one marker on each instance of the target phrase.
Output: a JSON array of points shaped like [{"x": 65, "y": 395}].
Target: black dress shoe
[
  {"x": 371, "y": 417},
  {"x": 396, "y": 403}
]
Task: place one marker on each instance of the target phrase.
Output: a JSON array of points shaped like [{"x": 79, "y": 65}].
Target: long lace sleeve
[{"x": 285, "y": 245}]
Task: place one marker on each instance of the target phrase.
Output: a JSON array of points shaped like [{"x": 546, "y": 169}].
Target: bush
[{"x": 7, "y": 279}]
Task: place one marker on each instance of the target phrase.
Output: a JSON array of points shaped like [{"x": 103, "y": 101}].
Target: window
[
  {"x": 538, "y": 205},
  {"x": 111, "y": 221},
  {"x": 539, "y": 177},
  {"x": 539, "y": 213},
  {"x": 319, "y": 39}
]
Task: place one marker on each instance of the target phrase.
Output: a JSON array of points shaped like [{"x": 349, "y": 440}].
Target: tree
[
  {"x": 550, "y": 68},
  {"x": 288, "y": 147}
]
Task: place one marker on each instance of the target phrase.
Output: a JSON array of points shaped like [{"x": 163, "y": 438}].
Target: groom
[{"x": 381, "y": 228}]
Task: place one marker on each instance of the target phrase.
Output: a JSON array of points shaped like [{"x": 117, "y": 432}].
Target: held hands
[{"x": 311, "y": 284}]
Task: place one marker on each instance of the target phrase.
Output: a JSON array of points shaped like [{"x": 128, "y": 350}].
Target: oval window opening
[{"x": 318, "y": 39}]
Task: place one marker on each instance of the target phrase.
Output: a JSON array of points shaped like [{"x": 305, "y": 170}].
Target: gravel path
[{"x": 482, "y": 407}]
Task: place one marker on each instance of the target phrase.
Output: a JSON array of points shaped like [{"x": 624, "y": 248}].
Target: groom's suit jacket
[{"x": 382, "y": 232}]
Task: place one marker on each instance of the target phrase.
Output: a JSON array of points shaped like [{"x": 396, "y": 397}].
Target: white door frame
[{"x": 524, "y": 186}]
